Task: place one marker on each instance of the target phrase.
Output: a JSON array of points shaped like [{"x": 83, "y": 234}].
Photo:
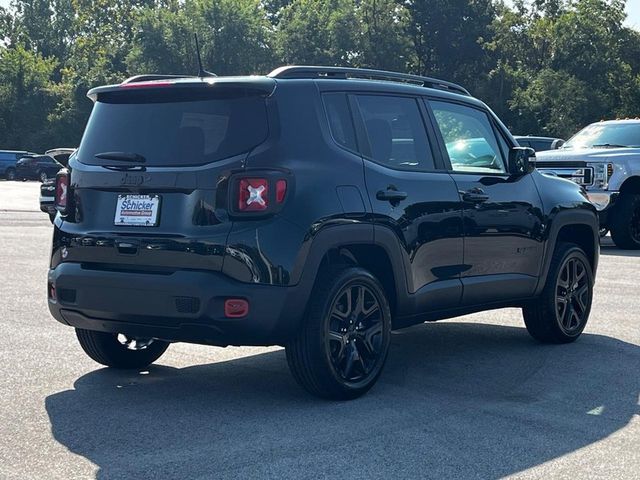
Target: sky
[{"x": 633, "y": 9}]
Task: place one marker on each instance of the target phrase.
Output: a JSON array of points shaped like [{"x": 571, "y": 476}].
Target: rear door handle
[
  {"x": 391, "y": 195},
  {"x": 475, "y": 195}
]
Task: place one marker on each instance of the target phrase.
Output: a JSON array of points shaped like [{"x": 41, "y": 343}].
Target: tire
[
  {"x": 625, "y": 222},
  {"x": 342, "y": 345},
  {"x": 107, "y": 349},
  {"x": 10, "y": 174},
  {"x": 42, "y": 176},
  {"x": 570, "y": 277}
]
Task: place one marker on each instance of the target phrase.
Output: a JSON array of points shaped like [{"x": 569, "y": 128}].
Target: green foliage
[
  {"x": 545, "y": 66},
  {"x": 24, "y": 96},
  {"x": 554, "y": 103},
  {"x": 317, "y": 32}
]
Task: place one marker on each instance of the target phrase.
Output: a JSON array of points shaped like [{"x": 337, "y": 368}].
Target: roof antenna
[{"x": 201, "y": 71}]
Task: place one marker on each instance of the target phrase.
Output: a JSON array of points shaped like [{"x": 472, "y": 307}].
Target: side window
[
  {"x": 396, "y": 132},
  {"x": 340, "y": 121},
  {"x": 469, "y": 137},
  {"x": 540, "y": 146},
  {"x": 504, "y": 146}
]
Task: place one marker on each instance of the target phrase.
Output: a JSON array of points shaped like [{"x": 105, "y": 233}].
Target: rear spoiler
[{"x": 256, "y": 84}]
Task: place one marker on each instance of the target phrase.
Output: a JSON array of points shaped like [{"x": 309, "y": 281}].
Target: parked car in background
[
  {"x": 47, "y": 198},
  {"x": 48, "y": 187},
  {"x": 60, "y": 154},
  {"x": 37, "y": 167},
  {"x": 315, "y": 208},
  {"x": 539, "y": 144},
  {"x": 604, "y": 158},
  {"x": 8, "y": 160}
]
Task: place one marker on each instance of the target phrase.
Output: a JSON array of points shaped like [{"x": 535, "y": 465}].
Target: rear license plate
[{"x": 137, "y": 210}]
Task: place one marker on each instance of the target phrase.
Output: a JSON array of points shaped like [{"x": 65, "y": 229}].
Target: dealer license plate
[{"x": 137, "y": 210}]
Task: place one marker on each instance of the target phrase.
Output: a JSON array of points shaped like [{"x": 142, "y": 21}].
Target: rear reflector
[{"x": 236, "y": 308}]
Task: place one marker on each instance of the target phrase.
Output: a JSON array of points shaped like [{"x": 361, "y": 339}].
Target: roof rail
[
  {"x": 365, "y": 73},
  {"x": 150, "y": 77}
]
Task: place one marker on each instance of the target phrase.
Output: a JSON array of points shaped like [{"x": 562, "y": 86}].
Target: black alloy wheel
[
  {"x": 355, "y": 333},
  {"x": 635, "y": 224},
  {"x": 572, "y": 294},
  {"x": 341, "y": 347},
  {"x": 561, "y": 312}
]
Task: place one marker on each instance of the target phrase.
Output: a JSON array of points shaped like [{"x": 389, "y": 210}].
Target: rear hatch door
[{"x": 148, "y": 182}]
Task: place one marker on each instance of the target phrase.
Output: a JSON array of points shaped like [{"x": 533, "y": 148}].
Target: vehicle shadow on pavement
[{"x": 456, "y": 400}]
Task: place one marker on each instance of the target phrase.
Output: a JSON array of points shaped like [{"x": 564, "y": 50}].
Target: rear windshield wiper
[
  {"x": 121, "y": 157},
  {"x": 608, "y": 145}
]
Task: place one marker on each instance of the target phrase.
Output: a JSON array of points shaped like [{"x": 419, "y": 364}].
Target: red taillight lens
[
  {"x": 253, "y": 195},
  {"x": 62, "y": 190},
  {"x": 281, "y": 190}
]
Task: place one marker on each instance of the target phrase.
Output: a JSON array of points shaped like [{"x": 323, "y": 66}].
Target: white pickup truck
[{"x": 604, "y": 158}]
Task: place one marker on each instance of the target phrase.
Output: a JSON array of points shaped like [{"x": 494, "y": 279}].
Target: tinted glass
[
  {"x": 396, "y": 132},
  {"x": 166, "y": 133},
  {"x": 606, "y": 135},
  {"x": 540, "y": 146},
  {"x": 469, "y": 137},
  {"x": 340, "y": 121}
]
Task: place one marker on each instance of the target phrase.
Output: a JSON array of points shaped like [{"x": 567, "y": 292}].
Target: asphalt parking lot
[{"x": 472, "y": 397}]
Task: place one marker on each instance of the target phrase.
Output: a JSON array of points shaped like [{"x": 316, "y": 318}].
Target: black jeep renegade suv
[{"x": 316, "y": 208}]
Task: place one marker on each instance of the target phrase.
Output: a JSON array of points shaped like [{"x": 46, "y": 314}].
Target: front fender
[{"x": 559, "y": 220}]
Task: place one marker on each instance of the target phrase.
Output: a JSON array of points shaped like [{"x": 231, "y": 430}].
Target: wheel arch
[
  {"x": 631, "y": 185},
  {"x": 356, "y": 245},
  {"x": 579, "y": 227}
]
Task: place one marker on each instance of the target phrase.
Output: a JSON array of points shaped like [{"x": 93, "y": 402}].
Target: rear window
[{"x": 174, "y": 131}]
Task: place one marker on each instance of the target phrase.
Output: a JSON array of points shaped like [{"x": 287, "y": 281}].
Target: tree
[
  {"x": 163, "y": 42},
  {"x": 25, "y": 98},
  {"x": 235, "y": 37},
  {"x": 318, "y": 32},
  {"x": 554, "y": 104},
  {"x": 46, "y": 26},
  {"x": 447, "y": 38},
  {"x": 381, "y": 41}
]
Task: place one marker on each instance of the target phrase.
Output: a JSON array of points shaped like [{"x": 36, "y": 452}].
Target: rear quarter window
[{"x": 340, "y": 121}]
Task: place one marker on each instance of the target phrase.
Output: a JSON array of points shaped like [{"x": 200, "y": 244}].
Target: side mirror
[{"x": 521, "y": 160}]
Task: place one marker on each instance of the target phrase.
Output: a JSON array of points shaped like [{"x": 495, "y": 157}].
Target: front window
[
  {"x": 469, "y": 137},
  {"x": 606, "y": 135}
]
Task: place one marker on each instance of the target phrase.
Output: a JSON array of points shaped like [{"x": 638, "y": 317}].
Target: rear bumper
[{"x": 182, "y": 306}]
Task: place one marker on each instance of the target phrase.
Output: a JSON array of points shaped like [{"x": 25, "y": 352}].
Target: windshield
[
  {"x": 606, "y": 135},
  {"x": 173, "y": 133}
]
